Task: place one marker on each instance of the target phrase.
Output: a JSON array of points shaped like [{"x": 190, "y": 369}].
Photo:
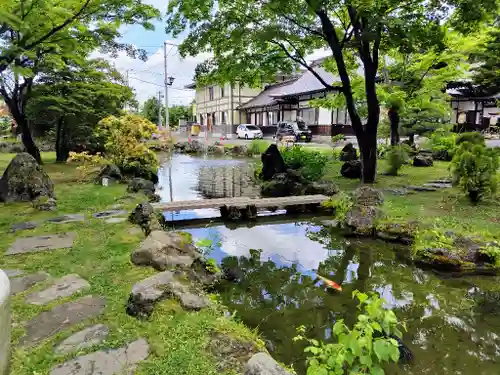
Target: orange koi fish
[{"x": 330, "y": 283}]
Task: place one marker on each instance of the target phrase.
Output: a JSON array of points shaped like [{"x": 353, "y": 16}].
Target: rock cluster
[{"x": 280, "y": 181}]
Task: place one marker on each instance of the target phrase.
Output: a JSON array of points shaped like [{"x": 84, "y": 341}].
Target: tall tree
[
  {"x": 414, "y": 90},
  {"x": 70, "y": 102},
  {"x": 179, "y": 112},
  {"x": 253, "y": 40},
  {"x": 40, "y": 36},
  {"x": 487, "y": 73},
  {"x": 151, "y": 108}
]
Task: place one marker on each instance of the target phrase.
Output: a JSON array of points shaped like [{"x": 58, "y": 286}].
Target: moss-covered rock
[{"x": 24, "y": 181}]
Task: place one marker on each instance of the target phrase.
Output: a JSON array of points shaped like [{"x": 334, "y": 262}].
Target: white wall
[
  {"x": 325, "y": 116},
  {"x": 4, "y": 322}
]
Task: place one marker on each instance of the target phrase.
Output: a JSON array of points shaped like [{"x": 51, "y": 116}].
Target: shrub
[
  {"x": 341, "y": 203},
  {"x": 474, "y": 168},
  {"x": 473, "y": 138},
  {"x": 397, "y": 156},
  {"x": 361, "y": 350},
  {"x": 310, "y": 163},
  {"x": 382, "y": 150},
  {"x": 338, "y": 138},
  {"x": 89, "y": 166},
  {"x": 258, "y": 146},
  {"x": 123, "y": 144},
  {"x": 443, "y": 142}
]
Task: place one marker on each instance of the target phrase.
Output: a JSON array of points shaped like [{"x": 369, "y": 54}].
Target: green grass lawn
[
  {"x": 447, "y": 208},
  {"x": 101, "y": 255}
]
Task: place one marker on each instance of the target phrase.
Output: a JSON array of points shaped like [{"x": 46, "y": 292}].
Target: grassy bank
[
  {"x": 101, "y": 255},
  {"x": 448, "y": 208}
]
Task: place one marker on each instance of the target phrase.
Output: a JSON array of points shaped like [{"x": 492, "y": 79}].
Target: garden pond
[{"x": 452, "y": 324}]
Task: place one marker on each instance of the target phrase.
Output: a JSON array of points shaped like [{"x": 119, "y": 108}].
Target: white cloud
[{"x": 146, "y": 77}]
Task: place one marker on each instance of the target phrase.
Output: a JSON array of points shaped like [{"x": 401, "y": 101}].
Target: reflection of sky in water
[{"x": 288, "y": 243}]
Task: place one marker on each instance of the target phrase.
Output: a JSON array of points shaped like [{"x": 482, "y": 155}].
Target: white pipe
[{"x": 4, "y": 323}]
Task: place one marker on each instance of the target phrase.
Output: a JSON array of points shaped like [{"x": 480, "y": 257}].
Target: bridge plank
[{"x": 240, "y": 202}]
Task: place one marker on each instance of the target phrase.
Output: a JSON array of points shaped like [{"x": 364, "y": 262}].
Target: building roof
[
  {"x": 267, "y": 97},
  {"x": 191, "y": 86},
  {"x": 308, "y": 83}
]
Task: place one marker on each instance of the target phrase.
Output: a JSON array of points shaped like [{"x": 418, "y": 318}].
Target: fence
[{"x": 4, "y": 323}]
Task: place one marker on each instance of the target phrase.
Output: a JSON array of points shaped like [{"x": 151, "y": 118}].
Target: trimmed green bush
[
  {"x": 397, "y": 156},
  {"x": 474, "y": 169},
  {"x": 310, "y": 163}
]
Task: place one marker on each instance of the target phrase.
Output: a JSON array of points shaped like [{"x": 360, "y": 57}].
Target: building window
[
  {"x": 222, "y": 93},
  {"x": 210, "y": 93},
  {"x": 201, "y": 119},
  {"x": 223, "y": 117}
]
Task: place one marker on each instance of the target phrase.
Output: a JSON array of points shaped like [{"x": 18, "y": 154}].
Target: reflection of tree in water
[{"x": 444, "y": 333}]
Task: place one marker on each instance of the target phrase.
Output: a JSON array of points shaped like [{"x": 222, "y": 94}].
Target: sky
[{"x": 146, "y": 77}]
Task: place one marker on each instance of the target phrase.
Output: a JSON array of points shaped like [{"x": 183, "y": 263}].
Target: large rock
[
  {"x": 327, "y": 188},
  {"x": 264, "y": 364},
  {"x": 143, "y": 186},
  {"x": 110, "y": 171},
  {"x": 422, "y": 161},
  {"x": 106, "y": 362},
  {"x": 367, "y": 196},
  {"x": 24, "y": 180},
  {"x": 147, "y": 293},
  {"x": 348, "y": 153},
  {"x": 351, "y": 169},
  {"x": 137, "y": 185},
  {"x": 272, "y": 163},
  {"x": 162, "y": 250},
  {"x": 362, "y": 220}
]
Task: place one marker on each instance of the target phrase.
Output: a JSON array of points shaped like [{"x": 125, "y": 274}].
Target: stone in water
[
  {"x": 42, "y": 243},
  {"x": 66, "y": 286}
]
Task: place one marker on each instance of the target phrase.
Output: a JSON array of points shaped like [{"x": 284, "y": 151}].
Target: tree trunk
[
  {"x": 394, "y": 124},
  {"x": 368, "y": 150},
  {"x": 62, "y": 152},
  {"x": 22, "y": 124},
  {"x": 411, "y": 138}
]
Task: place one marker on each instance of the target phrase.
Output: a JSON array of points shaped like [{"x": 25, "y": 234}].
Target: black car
[{"x": 298, "y": 129}]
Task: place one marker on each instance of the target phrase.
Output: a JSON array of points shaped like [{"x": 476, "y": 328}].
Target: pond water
[{"x": 276, "y": 260}]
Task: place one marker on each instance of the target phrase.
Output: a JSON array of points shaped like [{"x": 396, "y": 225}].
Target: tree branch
[
  {"x": 312, "y": 31},
  {"x": 302, "y": 62},
  {"x": 58, "y": 28}
]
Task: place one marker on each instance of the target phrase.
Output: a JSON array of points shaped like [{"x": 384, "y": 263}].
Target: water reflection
[{"x": 449, "y": 331}]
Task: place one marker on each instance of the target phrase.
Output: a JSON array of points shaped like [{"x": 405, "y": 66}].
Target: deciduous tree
[
  {"x": 253, "y": 40},
  {"x": 41, "y": 36},
  {"x": 73, "y": 100}
]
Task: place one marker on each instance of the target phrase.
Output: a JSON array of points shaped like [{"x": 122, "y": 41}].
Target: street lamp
[{"x": 170, "y": 81}]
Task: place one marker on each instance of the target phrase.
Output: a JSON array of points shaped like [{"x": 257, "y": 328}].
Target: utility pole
[
  {"x": 168, "y": 82},
  {"x": 167, "y": 122},
  {"x": 159, "y": 110}
]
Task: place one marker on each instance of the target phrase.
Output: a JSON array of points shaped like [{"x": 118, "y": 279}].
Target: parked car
[
  {"x": 249, "y": 131},
  {"x": 298, "y": 129}
]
